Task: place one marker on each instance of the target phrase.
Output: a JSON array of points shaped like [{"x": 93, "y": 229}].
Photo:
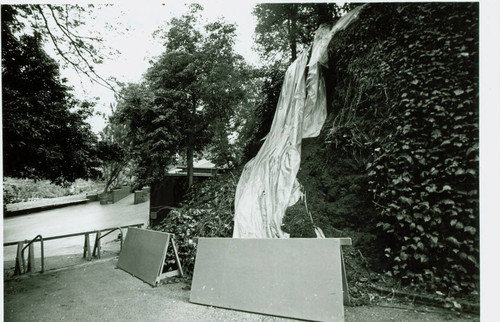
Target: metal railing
[
  {"x": 31, "y": 255},
  {"x": 97, "y": 244},
  {"x": 20, "y": 261}
]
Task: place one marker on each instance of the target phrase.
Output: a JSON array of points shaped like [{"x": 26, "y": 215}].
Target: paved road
[{"x": 72, "y": 219}]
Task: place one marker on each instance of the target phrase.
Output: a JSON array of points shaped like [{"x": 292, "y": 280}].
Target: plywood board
[
  {"x": 297, "y": 278},
  {"x": 143, "y": 254}
]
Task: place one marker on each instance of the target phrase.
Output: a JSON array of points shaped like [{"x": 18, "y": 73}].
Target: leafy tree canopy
[
  {"x": 284, "y": 29},
  {"x": 64, "y": 28},
  {"x": 44, "y": 130},
  {"x": 147, "y": 132},
  {"x": 189, "y": 96},
  {"x": 114, "y": 149}
]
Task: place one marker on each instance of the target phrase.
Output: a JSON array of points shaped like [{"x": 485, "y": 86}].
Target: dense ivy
[{"x": 405, "y": 103}]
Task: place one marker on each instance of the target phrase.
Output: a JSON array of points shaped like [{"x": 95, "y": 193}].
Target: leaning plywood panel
[
  {"x": 143, "y": 254},
  {"x": 296, "y": 278}
]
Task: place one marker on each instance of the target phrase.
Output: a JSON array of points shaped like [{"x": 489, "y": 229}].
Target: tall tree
[
  {"x": 44, "y": 130},
  {"x": 149, "y": 132},
  {"x": 283, "y": 29},
  {"x": 196, "y": 84}
]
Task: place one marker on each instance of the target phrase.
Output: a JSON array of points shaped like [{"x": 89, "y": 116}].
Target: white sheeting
[{"x": 268, "y": 184}]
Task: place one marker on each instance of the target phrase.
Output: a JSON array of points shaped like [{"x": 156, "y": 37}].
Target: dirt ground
[{"x": 98, "y": 291}]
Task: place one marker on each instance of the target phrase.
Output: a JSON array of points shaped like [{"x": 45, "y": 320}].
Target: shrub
[
  {"x": 21, "y": 190},
  {"x": 207, "y": 211}
]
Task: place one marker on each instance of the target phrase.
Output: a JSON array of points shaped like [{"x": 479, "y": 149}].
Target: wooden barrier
[{"x": 144, "y": 253}]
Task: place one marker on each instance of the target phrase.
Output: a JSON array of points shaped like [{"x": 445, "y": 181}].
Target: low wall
[
  {"x": 119, "y": 194},
  {"x": 114, "y": 195},
  {"x": 93, "y": 197},
  {"x": 141, "y": 196}
]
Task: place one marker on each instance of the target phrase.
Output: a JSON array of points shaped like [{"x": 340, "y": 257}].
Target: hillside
[{"x": 396, "y": 165}]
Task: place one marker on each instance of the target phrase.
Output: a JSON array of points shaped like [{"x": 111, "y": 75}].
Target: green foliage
[
  {"x": 405, "y": 104},
  {"x": 114, "y": 149},
  {"x": 21, "y": 190},
  {"x": 207, "y": 211},
  {"x": 260, "y": 121},
  {"x": 284, "y": 29},
  {"x": 147, "y": 131},
  {"x": 113, "y": 159},
  {"x": 44, "y": 130},
  {"x": 187, "y": 101}
]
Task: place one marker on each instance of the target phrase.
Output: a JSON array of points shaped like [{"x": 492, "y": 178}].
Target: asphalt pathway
[{"x": 71, "y": 219}]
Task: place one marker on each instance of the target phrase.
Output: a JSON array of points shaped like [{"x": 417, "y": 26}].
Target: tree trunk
[
  {"x": 190, "y": 169},
  {"x": 113, "y": 176},
  {"x": 191, "y": 143},
  {"x": 292, "y": 29}
]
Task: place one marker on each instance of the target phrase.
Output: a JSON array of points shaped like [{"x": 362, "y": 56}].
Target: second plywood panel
[{"x": 297, "y": 278}]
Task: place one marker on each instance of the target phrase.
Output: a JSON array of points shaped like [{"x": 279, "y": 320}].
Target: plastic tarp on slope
[{"x": 268, "y": 184}]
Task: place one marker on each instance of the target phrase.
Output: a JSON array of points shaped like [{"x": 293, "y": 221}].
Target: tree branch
[{"x": 92, "y": 75}]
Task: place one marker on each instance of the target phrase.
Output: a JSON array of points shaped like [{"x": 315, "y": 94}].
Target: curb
[{"x": 25, "y": 211}]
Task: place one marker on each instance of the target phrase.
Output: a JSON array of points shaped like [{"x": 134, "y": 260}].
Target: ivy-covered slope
[
  {"x": 396, "y": 164},
  {"x": 398, "y": 156}
]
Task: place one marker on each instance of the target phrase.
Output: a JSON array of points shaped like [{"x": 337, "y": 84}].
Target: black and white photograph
[{"x": 250, "y": 160}]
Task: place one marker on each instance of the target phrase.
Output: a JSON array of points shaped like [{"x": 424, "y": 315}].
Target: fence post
[
  {"x": 97, "y": 245},
  {"x": 86, "y": 248},
  {"x": 42, "y": 254},
  {"x": 19, "y": 261},
  {"x": 31, "y": 258}
]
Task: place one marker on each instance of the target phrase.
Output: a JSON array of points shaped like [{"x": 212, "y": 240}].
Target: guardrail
[
  {"x": 97, "y": 244},
  {"x": 20, "y": 261},
  {"x": 31, "y": 255}
]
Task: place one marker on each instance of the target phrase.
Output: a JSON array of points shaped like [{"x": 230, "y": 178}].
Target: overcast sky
[{"x": 134, "y": 24}]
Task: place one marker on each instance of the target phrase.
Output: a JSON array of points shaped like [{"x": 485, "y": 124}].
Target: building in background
[{"x": 167, "y": 194}]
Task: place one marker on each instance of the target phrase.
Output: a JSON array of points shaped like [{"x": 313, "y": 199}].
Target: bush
[
  {"x": 21, "y": 190},
  {"x": 207, "y": 211}
]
